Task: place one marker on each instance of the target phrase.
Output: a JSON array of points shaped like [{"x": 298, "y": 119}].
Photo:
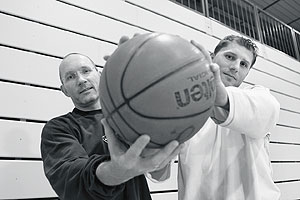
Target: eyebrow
[
  {"x": 248, "y": 63},
  {"x": 245, "y": 60},
  {"x": 67, "y": 73}
]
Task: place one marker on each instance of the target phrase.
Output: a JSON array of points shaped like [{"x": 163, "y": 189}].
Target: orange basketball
[{"x": 156, "y": 84}]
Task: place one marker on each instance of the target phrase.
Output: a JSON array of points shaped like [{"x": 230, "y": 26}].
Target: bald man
[{"x": 82, "y": 158}]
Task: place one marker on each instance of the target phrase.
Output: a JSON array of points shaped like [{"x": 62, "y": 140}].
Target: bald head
[
  {"x": 73, "y": 60},
  {"x": 80, "y": 81}
]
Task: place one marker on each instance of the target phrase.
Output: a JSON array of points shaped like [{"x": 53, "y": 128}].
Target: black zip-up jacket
[{"x": 72, "y": 147}]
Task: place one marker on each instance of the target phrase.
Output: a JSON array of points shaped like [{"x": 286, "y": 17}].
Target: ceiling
[{"x": 287, "y": 11}]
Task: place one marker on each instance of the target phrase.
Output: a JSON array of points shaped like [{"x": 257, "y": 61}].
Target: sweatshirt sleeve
[
  {"x": 68, "y": 167},
  {"x": 253, "y": 111}
]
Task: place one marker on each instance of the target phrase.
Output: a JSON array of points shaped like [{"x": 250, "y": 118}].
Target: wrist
[
  {"x": 226, "y": 106},
  {"x": 106, "y": 175}
]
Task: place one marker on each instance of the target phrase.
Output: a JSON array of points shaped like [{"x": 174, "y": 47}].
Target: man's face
[
  {"x": 234, "y": 61},
  {"x": 80, "y": 81}
]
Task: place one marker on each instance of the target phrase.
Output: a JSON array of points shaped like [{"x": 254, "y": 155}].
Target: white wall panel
[
  {"x": 28, "y": 67},
  {"x": 286, "y": 171},
  {"x": 23, "y": 179},
  {"x": 38, "y": 33},
  {"x": 289, "y": 190},
  {"x": 27, "y": 102},
  {"x": 20, "y": 139},
  {"x": 284, "y": 152},
  {"x": 36, "y": 37},
  {"x": 285, "y": 134},
  {"x": 78, "y": 20}
]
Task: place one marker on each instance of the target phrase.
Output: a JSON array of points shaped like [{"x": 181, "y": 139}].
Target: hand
[
  {"x": 221, "y": 93},
  {"x": 122, "y": 40},
  {"x": 126, "y": 164}
]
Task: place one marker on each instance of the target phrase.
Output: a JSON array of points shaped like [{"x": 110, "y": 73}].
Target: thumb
[
  {"x": 106, "y": 57},
  {"x": 216, "y": 71},
  {"x": 113, "y": 146},
  {"x": 221, "y": 92}
]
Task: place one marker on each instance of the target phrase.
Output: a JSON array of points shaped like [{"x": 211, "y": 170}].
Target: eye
[
  {"x": 229, "y": 57},
  {"x": 86, "y": 71},
  {"x": 244, "y": 64},
  {"x": 70, "y": 76}
]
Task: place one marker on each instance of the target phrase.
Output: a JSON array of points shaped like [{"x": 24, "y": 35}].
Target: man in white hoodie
[{"x": 228, "y": 158}]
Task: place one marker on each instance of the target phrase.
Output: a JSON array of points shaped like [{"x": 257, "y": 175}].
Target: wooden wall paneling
[
  {"x": 286, "y": 171},
  {"x": 281, "y": 58},
  {"x": 284, "y": 152},
  {"x": 289, "y": 118},
  {"x": 285, "y": 134},
  {"x": 287, "y": 102},
  {"x": 277, "y": 70},
  {"x": 23, "y": 179},
  {"x": 274, "y": 83},
  {"x": 27, "y": 102},
  {"x": 172, "y": 11},
  {"x": 117, "y": 9},
  {"x": 147, "y": 20},
  {"x": 289, "y": 190},
  {"x": 20, "y": 139},
  {"x": 28, "y": 67},
  {"x": 80, "y": 20},
  {"x": 33, "y": 36}
]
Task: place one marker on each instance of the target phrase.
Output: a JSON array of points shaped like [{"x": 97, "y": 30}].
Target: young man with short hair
[{"x": 228, "y": 158}]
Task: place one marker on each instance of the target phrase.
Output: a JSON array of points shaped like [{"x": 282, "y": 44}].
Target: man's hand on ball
[
  {"x": 126, "y": 164},
  {"x": 122, "y": 40},
  {"x": 221, "y": 93}
]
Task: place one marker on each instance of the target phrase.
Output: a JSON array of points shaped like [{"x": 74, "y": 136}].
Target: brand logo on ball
[{"x": 199, "y": 90}]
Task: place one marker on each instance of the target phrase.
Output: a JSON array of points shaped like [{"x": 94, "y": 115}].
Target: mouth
[
  {"x": 85, "y": 89},
  {"x": 231, "y": 76}
]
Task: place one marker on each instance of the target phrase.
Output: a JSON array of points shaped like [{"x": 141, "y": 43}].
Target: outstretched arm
[{"x": 126, "y": 164}]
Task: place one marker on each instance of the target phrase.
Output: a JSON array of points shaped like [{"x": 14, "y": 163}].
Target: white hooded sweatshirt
[{"x": 228, "y": 159}]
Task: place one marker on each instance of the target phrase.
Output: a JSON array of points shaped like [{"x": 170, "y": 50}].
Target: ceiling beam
[
  {"x": 271, "y": 4},
  {"x": 293, "y": 21}
]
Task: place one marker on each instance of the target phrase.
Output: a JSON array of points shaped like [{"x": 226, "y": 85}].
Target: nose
[
  {"x": 81, "y": 78},
  {"x": 234, "y": 67}
]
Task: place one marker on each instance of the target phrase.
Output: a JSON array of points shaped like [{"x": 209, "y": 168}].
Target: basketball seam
[
  {"x": 127, "y": 100},
  {"x": 116, "y": 108}
]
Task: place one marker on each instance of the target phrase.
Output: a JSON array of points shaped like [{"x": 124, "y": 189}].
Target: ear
[
  {"x": 212, "y": 55},
  {"x": 63, "y": 89}
]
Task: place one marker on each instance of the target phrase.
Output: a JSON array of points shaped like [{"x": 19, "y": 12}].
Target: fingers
[
  {"x": 132, "y": 158},
  {"x": 216, "y": 71},
  {"x": 203, "y": 50},
  {"x": 113, "y": 143},
  {"x": 164, "y": 156},
  {"x": 171, "y": 156},
  {"x": 136, "y": 34},
  {"x": 138, "y": 146},
  {"x": 106, "y": 57},
  {"x": 123, "y": 39}
]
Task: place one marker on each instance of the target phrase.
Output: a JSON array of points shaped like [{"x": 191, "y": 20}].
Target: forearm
[
  {"x": 253, "y": 111},
  {"x": 110, "y": 175},
  {"x": 161, "y": 174},
  {"x": 220, "y": 113}
]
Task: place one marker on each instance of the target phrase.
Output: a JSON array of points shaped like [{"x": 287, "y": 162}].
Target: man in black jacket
[{"x": 82, "y": 157}]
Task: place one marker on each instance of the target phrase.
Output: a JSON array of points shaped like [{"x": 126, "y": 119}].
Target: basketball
[{"x": 156, "y": 84}]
